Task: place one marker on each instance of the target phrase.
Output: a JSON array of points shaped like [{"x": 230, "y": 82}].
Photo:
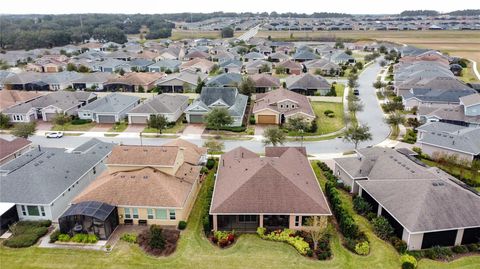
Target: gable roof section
[
  {"x": 161, "y": 104},
  {"x": 8, "y": 148},
  {"x": 112, "y": 103},
  {"x": 270, "y": 99},
  {"x": 451, "y": 136},
  {"x": 307, "y": 81}
]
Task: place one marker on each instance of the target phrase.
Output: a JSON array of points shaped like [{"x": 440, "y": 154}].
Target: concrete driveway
[
  {"x": 260, "y": 128},
  {"x": 101, "y": 127},
  {"x": 44, "y": 125},
  {"x": 135, "y": 128},
  {"x": 194, "y": 129}
]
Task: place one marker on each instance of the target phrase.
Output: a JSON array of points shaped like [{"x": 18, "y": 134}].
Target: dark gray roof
[
  {"x": 307, "y": 81},
  {"x": 226, "y": 79},
  {"x": 39, "y": 177},
  {"x": 451, "y": 136},
  {"x": 235, "y": 102},
  {"x": 438, "y": 95},
  {"x": 60, "y": 99},
  {"x": 163, "y": 103},
  {"x": 304, "y": 55},
  {"x": 113, "y": 103},
  {"x": 166, "y": 64},
  {"x": 93, "y": 209},
  {"x": 426, "y": 205}
]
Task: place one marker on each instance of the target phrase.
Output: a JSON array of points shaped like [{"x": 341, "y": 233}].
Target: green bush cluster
[
  {"x": 362, "y": 248},
  {"x": 408, "y": 261},
  {"x": 54, "y": 236},
  {"x": 80, "y": 121},
  {"x": 27, "y": 233},
  {"x": 438, "y": 252},
  {"x": 64, "y": 238},
  {"x": 361, "y": 206},
  {"x": 129, "y": 237},
  {"x": 182, "y": 225},
  {"x": 210, "y": 163},
  {"x": 236, "y": 129},
  {"x": 288, "y": 236},
  {"x": 382, "y": 228},
  {"x": 410, "y": 137},
  {"x": 223, "y": 238},
  {"x": 85, "y": 238},
  {"x": 398, "y": 244},
  {"x": 460, "y": 249},
  {"x": 251, "y": 120},
  {"x": 157, "y": 240}
]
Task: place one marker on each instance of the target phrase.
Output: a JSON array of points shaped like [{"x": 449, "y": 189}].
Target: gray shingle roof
[
  {"x": 421, "y": 206},
  {"x": 61, "y": 99},
  {"x": 111, "y": 103},
  {"x": 307, "y": 81},
  {"x": 451, "y": 136},
  {"x": 163, "y": 103},
  {"x": 236, "y": 102},
  {"x": 38, "y": 177},
  {"x": 226, "y": 79}
]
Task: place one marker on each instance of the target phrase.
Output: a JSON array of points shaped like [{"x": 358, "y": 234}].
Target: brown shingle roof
[
  {"x": 9, "y": 147},
  {"x": 9, "y": 98},
  {"x": 269, "y": 100},
  {"x": 145, "y": 156},
  {"x": 278, "y": 185},
  {"x": 137, "y": 78}
]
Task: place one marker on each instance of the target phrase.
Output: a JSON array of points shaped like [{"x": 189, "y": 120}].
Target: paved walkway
[{"x": 475, "y": 69}]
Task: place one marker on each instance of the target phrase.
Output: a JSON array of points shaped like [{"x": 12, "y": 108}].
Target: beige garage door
[
  {"x": 266, "y": 119},
  {"x": 138, "y": 119}
]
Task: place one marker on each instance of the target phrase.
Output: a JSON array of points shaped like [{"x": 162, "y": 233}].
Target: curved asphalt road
[{"x": 372, "y": 115}]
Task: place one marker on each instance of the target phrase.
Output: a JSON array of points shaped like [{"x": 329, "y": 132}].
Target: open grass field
[
  {"x": 71, "y": 127},
  {"x": 326, "y": 124},
  {"x": 195, "y": 251}
]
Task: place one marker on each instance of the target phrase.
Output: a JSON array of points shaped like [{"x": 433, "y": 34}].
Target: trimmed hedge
[
  {"x": 27, "y": 233},
  {"x": 80, "y": 121},
  {"x": 236, "y": 129},
  {"x": 408, "y": 262}
]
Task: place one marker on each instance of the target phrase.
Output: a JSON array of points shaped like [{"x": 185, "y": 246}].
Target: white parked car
[{"x": 54, "y": 134}]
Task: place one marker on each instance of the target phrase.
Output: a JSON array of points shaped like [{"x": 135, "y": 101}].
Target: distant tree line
[
  {"x": 466, "y": 12},
  {"x": 45, "y": 31}
]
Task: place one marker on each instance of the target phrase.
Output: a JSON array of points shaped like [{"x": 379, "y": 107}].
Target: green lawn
[
  {"x": 455, "y": 170},
  {"x": 468, "y": 75},
  {"x": 340, "y": 89},
  {"x": 194, "y": 251},
  {"x": 326, "y": 124},
  {"x": 71, "y": 127},
  {"x": 178, "y": 127},
  {"x": 119, "y": 127}
]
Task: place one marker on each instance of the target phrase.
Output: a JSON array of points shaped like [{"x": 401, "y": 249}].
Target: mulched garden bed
[{"x": 171, "y": 237}]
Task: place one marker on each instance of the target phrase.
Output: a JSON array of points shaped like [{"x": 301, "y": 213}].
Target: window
[
  {"x": 298, "y": 220},
  {"x": 172, "y": 214},
  {"x": 149, "y": 213},
  {"x": 281, "y": 106},
  {"x": 160, "y": 213},
  {"x": 24, "y": 211},
  {"x": 33, "y": 210},
  {"x": 286, "y": 106},
  {"x": 127, "y": 213},
  {"x": 42, "y": 210},
  {"x": 247, "y": 218},
  {"x": 135, "y": 213}
]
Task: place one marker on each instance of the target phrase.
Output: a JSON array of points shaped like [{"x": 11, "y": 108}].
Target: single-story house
[
  {"x": 291, "y": 67},
  {"x": 10, "y": 98},
  {"x": 225, "y": 80},
  {"x": 231, "y": 66},
  {"x": 218, "y": 97},
  {"x": 167, "y": 105},
  {"x": 265, "y": 82},
  {"x": 133, "y": 82},
  {"x": 92, "y": 81},
  {"x": 59, "y": 176},
  {"x": 451, "y": 139},
  {"x": 277, "y": 191},
  {"x": 304, "y": 55},
  {"x": 256, "y": 67},
  {"x": 144, "y": 185},
  {"x": 10, "y": 150},
  {"x": 278, "y": 57},
  {"x": 164, "y": 65},
  {"x": 109, "y": 109},
  {"x": 323, "y": 67},
  {"x": 252, "y": 56},
  {"x": 198, "y": 64},
  {"x": 276, "y": 107},
  {"x": 185, "y": 81},
  {"x": 340, "y": 57},
  {"x": 308, "y": 84},
  {"x": 46, "y": 106}
]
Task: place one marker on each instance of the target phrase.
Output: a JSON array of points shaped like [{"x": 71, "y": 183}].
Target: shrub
[
  {"x": 408, "y": 261},
  {"x": 362, "y": 248},
  {"x": 157, "y": 241},
  {"x": 129, "y": 237},
  {"x": 54, "y": 236},
  {"x": 80, "y": 121},
  {"x": 210, "y": 164},
  {"x": 92, "y": 239},
  {"x": 223, "y": 239},
  {"x": 460, "y": 249},
  {"x": 438, "y": 252},
  {"x": 371, "y": 215},
  {"x": 410, "y": 137},
  {"x": 21, "y": 241},
  {"x": 361, "y": 206},
  {"x": 63, "y": 237},
  {"x": 382, "y": 227},
  {"x": 252, "y": 119},
  {"x": 182, "y": 225},
  {"x": 398, "y": 244},
  {"x": 288, "y": 236},
  {"x": 473, "y": 247},
  {"x": 84, "y": 238},
  {"x": 327, "y": 112}
]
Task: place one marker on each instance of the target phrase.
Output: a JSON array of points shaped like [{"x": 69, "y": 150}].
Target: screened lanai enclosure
[{"x": 89, "y": 217}]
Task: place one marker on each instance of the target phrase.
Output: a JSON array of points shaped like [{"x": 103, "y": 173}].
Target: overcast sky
[{"x": 174, "y": 6}]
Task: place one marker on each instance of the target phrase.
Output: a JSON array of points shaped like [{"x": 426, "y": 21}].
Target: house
[
  {"x": 225, "y": 80},
  {"x": 340, "y": 57},
  {"x": 435, "y": 83},
  {"x": 171, "y": 53},
  {"x": 112, "y": 65},
  {"x": 253, "y": 56},
  {"x": 308, "y": 84},
  {"x": 231, "y": 66},
  {"x": 167, "y": 105},
  {"x": 218, "y": 97},
  {"x": 197, "y": 54},
  {"x": 47, "y": 106},
  {"x": 304, "y": 55},
  {"x": 109, "y": 109},
  {"x": 445, "y": 138},
  {"x": 434, "y": 97},
  {"x": 290, "y": 67},
  {"x": 265, "y": 82},
  {"x": 467, "y": 113},
  {"x": 276, "y": 107},
  {"x": 278, "y": 57},
  {"x": 10, "y": 150},
  {"x": 59, "y": 176},
  {"x": 61, "y": 80},
  {"x": 426, "y": 213},
  {"x": 277, "y": 191},
  {"x": 198, "y": 64},
  {"x": 9, "y": 98},
  {"x": 322, "y": 67},
  {"x": 140, "y": 65},
  {"x": 142, "y": 185},
  {"x": 185, "y": 81},
  {"x": 94, "y": 81},
  {"x": 164, "y": 66},
  {"x": 3, "y": 76},
  {"x": 133, "y": 82},
  {"x": 256, "y": 67}
]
